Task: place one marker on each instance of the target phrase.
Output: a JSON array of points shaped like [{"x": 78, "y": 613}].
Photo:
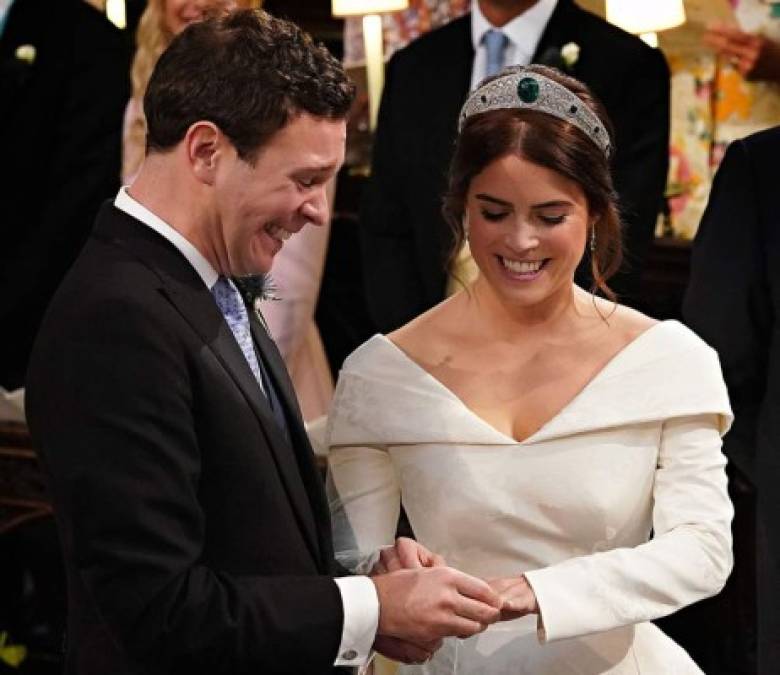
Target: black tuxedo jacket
[
  {"x": 404, "y": 237},
  {"x": 196, "y": 537},
  {"x": 60, "y": 130},
  {"x": 733, "y": 301}
]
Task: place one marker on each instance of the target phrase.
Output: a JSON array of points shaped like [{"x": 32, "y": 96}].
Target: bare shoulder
[
  {"x": 426, "y": 335},
  {"x": 623, "y": 323},
  {"x": 631, "y": 321}
]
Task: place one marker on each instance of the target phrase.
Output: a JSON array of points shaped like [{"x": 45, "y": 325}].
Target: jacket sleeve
[
  {"x": 641, "y": 161},
  {"x": 688, "y": 559},
  {"x": 110, "y": 405},
  {"x": 394, "y": 287},
  {"x": 728, "y": 302}
]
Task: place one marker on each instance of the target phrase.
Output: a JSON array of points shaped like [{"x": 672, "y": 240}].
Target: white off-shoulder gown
[{"x": 636, "y": 452}]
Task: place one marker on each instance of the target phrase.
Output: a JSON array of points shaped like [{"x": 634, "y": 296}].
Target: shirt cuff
[{"x": 361, "y": 620}]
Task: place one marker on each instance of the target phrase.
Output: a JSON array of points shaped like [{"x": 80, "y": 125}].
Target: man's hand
[
  {"x": 755, "y": 56},
  {"x": 405, "y": 652},
  {"x": 517, "y": 596},
  {"x": 405, "y": 554},
  {"x": 425, "y": 604}
]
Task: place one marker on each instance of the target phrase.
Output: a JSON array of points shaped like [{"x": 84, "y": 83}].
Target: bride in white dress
[{"x": 559, "y": 445}]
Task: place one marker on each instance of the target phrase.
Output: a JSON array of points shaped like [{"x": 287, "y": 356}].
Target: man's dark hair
[{"x": 247, "y": 72}]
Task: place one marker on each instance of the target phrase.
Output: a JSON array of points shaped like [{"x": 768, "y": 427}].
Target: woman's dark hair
[
  {"x": 549, "y": 142},
  {"x": 247, "y": 72}
]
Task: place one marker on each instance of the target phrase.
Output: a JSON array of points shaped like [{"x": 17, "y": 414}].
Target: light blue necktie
[
  {"x": 233, "y": 309},
  {"x": 495, "y": 43}
]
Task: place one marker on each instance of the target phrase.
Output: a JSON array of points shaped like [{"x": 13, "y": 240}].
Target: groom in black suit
[
  {"x": 194, "y": 525},
  {"x": 405, "y": 239}
]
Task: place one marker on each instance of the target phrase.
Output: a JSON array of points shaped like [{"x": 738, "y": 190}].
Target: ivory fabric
[{"x": 572, "y": 507}]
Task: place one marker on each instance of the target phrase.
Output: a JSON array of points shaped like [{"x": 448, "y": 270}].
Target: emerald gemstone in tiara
[
  {"x": 518, "y": 88},
  {"x": 528, "y": 90}
]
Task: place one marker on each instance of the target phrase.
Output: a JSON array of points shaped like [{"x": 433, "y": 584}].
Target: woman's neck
[{"x": 500, "y": 317}]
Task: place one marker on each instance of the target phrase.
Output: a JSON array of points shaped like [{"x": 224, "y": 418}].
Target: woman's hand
[
  {"x": 405, "y": 554},
  {"x": 518, "y": 597}
]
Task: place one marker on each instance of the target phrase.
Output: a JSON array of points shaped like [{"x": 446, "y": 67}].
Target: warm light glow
[
  {"x": 373, "y": 38},
  {"x": 645, "y": 16},
  {"x": 650, "y": 38},
  {"x": 363, "y": 7},
  {"x": 115, "y": 11}
]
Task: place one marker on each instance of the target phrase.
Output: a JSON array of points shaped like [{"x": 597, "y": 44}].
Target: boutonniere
[
  {"x": 256, "y": 289},
  {"x": 26, "y": 53},
  {"x": 570, "y": 54},
  {"x": 563, "y": 58}
]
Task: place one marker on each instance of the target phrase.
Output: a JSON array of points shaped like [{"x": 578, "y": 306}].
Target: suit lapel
[
  {"x": 224, "y": 345},
  {"x": 299, "y": 439},
  {"x": 557, "y": 32},
  {"x": 454, "y": 77},
  {"x": 462, "y": 53},
  {"x": 187, "y": 293}
]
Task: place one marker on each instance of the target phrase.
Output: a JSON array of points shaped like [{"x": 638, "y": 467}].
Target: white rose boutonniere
[
  {"x": 570, "y": 53},
  {"x": 26, "y": 53}
]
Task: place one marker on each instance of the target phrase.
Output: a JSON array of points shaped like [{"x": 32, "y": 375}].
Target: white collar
[
  {"x": 524, "y": 31},
  {"x": 124, "y": 202}
]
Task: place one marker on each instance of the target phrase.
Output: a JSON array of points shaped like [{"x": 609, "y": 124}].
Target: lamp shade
[
  {"x": 116, "y": 13},
  {"x": 645, "y": 16},
  {"x": 363, "y": 7}
]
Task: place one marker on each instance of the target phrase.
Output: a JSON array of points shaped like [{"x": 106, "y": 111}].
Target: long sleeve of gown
[
  {"x": 688, "y": 559},
  {"x": 365, "y": 500}
]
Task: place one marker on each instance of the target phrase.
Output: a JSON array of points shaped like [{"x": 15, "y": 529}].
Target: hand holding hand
[
  {"x": 517, "y": 596},
  {"x": 425, "y": 604},
  {"x": 756, "y": 56},
  {"x": 405, "y": 554}
]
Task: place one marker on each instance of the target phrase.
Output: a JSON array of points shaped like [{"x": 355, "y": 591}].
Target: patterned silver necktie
[{"x": 233, "y": 309}]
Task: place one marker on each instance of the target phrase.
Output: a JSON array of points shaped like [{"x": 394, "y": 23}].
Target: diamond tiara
[{"x": 526, "y": 90}]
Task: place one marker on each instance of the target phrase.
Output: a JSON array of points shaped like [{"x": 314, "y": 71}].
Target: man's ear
[{"x": 204, "y": 143}]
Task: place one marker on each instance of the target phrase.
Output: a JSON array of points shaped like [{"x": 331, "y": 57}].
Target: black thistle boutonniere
[
  {"x": 563, "y": 58},
  {"x": 256, "y": 289}
]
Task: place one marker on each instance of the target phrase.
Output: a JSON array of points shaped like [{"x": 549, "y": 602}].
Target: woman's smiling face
[{"x": 527, "y": 229}]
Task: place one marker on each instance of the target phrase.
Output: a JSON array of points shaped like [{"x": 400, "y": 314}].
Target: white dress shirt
[
  {"x": 358, "y": 594},
  {"x": 524, "y": 33}
]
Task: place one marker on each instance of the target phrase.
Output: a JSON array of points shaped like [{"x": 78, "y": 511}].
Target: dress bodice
[{"x": 572, "y": 506}]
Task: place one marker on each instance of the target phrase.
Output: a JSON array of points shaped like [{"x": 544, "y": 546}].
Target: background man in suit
[
  {"x": 64, "y": 84},
  {"x": 733, "y": 301},
  {"x": 405, "y": 239},
  {"x": 194, "y": 524}
]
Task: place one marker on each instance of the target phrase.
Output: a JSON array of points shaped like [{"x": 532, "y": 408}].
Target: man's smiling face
[{"x": 257, "y": 207}]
